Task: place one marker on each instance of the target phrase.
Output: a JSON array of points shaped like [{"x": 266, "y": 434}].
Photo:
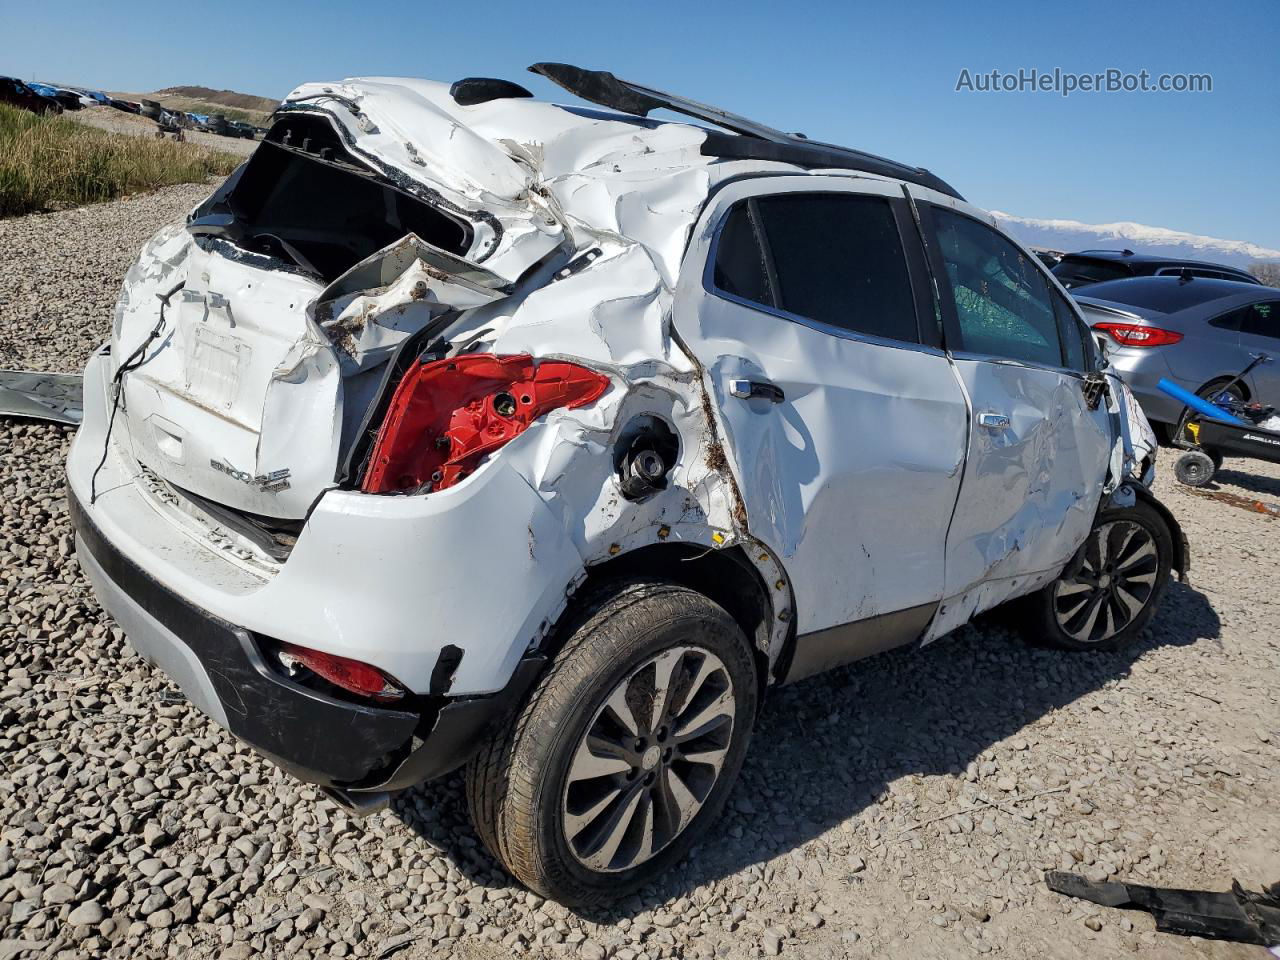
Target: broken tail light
[
  {"x": 1134, "y": 335},
  {"x": 448, "y": 415},
  {"x": 351, "y": 675}
]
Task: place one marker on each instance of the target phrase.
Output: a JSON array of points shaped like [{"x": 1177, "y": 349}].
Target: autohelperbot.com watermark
[{"x": 1065, "y": 82}]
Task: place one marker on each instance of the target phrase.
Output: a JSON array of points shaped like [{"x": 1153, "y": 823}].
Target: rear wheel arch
[
  {"x": 1111, "y": 588},
  {"x": 1219, "y": 382},
  {"x": 726, "y": 576},
  {"x": 1181, "y": 560},
  {"x": 1177, "y": 432}
]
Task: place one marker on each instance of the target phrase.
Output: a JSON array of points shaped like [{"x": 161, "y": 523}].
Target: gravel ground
[
  {"x": 133, "y": 125},
  {"x": 904, "y": 807}
]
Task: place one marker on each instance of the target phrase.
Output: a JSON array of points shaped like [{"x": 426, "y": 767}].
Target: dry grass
[{"x": 48, "y": 162}]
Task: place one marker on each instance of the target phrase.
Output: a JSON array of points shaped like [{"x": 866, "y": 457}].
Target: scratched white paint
[{"x": 262, "y": 369}]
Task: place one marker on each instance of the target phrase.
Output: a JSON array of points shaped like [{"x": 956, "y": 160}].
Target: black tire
[
  {"x": 1210, "y": 389},
  {"x": 1195, "y": 468},
  {"x": 1053, "y": 618},
  {"x": 1213, "y": 389},
  {"x": 1216, "y": 457},
  {"x": 519, "y": 783},
  {"x": 1165, "y": 433}
]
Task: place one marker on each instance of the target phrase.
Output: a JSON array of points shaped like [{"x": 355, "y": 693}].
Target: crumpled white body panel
[{"x": 582, "y": 221}]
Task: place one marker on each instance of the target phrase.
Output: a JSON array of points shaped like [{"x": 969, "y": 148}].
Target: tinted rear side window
[
  {"x": 740, "y": 266},
  {"x": 833, "y": 258},
  {"x": 1075, "y": 351},
  {"x": 1262, "y": 319},
  {"x": 839, "y": 260}
]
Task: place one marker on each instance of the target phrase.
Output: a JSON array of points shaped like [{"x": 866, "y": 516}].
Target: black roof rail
[{"x": 754, "y": 141}]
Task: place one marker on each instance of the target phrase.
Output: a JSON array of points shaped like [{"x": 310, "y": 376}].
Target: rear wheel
[
  {"x": 625, "y": 751},
  {"x": 1234, "y": 393},
  {"x": 1110, "y": 589}
]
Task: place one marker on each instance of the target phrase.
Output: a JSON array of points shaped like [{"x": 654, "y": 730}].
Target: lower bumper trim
[
  {"x": 222, "y": 671},
  {"x": 357, "y": 749}
]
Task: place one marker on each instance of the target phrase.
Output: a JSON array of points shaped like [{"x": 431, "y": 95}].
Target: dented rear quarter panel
[{"x": 844, "y": 497}]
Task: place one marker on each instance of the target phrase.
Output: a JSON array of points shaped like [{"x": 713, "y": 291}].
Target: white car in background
[{"x": 461, "y": 428}]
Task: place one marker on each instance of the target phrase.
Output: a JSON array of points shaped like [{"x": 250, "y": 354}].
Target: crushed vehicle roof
[
  {"x": 491, "y": 155},
  {"x": 753, "y": 141}
]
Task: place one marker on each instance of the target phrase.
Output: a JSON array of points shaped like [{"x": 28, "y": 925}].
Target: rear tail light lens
[
  {"x": 1134, "y": 335},
  {"x": 351, "y": 675},
  {"x": 447, "y": 415}
]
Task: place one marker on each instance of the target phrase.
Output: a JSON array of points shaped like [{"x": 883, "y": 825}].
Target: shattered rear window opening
[{"x": 305, "y": 199}]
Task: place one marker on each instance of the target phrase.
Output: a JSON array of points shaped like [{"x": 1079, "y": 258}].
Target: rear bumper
[
  {"x": 394, "y": 581},
  {"x": 222, "y": 670}
]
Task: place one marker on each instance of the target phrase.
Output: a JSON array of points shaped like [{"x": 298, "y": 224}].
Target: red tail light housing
[
  {"x": 447, "y": 415},
  {"x": 1136, "y": 335},
  {"x": 350, "y": 675}
]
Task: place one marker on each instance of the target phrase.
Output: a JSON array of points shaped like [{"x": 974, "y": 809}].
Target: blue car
[{"x": 64, "y": 98}]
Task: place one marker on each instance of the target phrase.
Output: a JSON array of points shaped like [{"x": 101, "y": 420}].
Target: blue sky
[{"x": 877, "y": 76}]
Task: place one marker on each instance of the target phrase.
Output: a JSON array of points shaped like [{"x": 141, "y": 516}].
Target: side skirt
[{"x": 836, "y": 646}]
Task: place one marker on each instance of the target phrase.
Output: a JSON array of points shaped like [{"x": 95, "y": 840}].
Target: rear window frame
[
  {"x": 912, "y": 253},
  {"x": 1125, "y": 271},
  {"x": 1168, "y": 283},
  {"x": 248, "y": 203}
]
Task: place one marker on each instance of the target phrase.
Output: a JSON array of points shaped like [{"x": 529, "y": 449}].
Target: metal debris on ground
[
  {"x": 1238, "y": 915},
  {"x": 55, "y": 397}
]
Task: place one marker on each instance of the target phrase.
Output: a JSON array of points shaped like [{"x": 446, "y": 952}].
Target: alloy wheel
[
  {"x": 1115, "y": 582},
  {"x": 649, "y": 759}
]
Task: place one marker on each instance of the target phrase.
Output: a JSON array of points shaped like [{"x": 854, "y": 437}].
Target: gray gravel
[
  {"x": 905, "y": 807},
  {"x": 62, "y": 273}
]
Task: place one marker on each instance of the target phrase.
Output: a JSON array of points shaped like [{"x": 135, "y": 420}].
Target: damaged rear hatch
[{"x": 269, "y": 320}]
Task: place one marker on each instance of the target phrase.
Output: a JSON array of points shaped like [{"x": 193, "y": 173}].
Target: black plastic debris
[
  {"x": 1239, "y": 915},
  {"x": 31, "y": 395}
]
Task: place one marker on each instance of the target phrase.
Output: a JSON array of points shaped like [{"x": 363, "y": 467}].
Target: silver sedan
[{"x": 1199, "y": 333}]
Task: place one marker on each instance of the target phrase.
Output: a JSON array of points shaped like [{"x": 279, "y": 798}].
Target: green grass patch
[{"x": 50, "y": 161}]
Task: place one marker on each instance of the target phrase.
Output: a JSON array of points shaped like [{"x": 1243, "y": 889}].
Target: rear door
[
  {"x": 1040, "y": 444},
  {"x": 1260, "y": 333},
  {"x": 844, "y": 423}
]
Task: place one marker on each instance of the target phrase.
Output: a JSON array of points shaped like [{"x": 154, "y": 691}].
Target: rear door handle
[
  {"x": 993, "y": 421},
  {"x": 748, "y": 389}
]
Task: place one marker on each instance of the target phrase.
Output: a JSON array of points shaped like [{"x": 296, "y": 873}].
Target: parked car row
[
  {"x": 68, "y": 99},
  {"x": 47, "y": 98},
  {"x": 213, "y": 123},
  {"x": 17, "y": 93}
]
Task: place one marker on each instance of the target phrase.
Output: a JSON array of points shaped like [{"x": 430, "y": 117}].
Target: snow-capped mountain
[{"x": 1071, "y": 235}]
